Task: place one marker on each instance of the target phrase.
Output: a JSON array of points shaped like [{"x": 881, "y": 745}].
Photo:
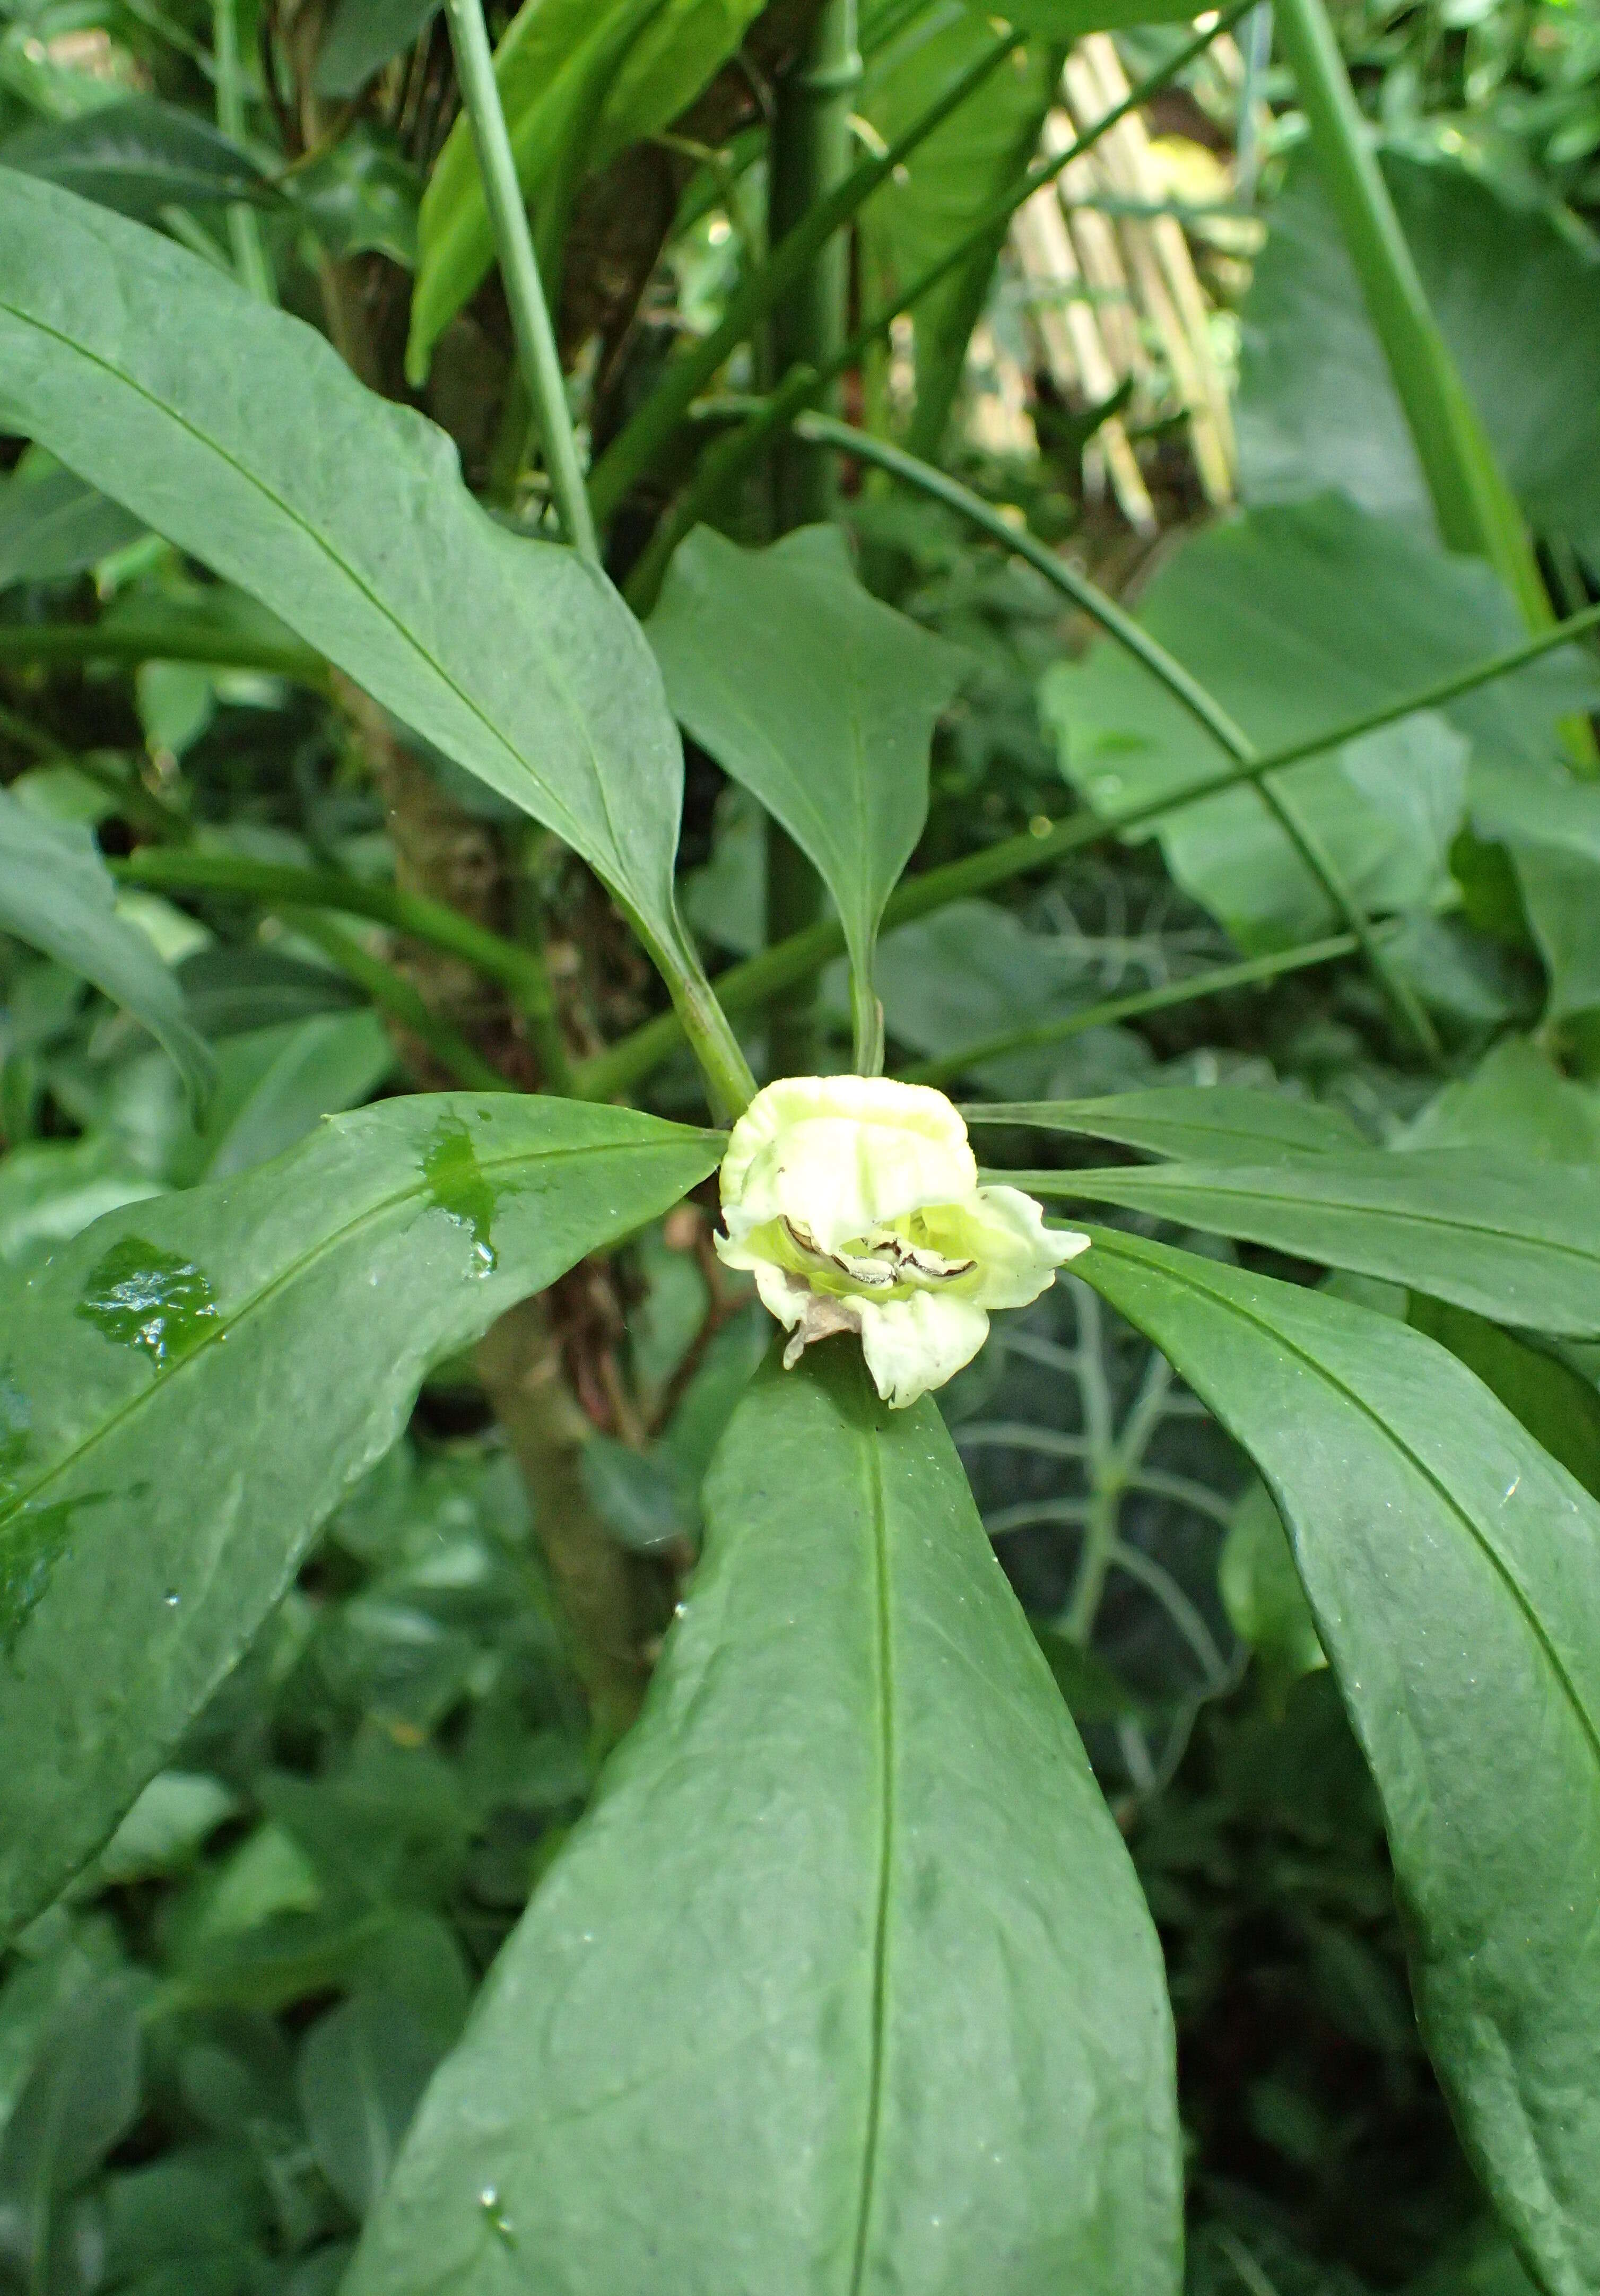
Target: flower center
[{"x": 891, "y": 1261}]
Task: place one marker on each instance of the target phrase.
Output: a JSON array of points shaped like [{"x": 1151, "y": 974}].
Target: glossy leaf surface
[
  {"x": 1215, "y": 1124},
  {"x": 57, "y": 895},
  {"x": 1519, "y": 1245},
  {"x": 708, "y": 2058},
  {"x": 825, "y": 706},
  {"x": 187, "y": 1388},
  {"x": 240, "y": 434},
  {"x": 1453, "y": 1571}
]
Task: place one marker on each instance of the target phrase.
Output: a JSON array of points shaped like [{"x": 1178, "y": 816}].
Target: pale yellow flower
[{"x": 855, "y": 1203}]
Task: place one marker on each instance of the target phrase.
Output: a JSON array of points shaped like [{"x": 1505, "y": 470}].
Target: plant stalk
[
  {"x": 397, "y": 997},
  {"x": 809, "y": 159},
  {"x": 537, "y": 353},
  {"x": 244, "y": 225},
  {"x": 276, "y": 886}
]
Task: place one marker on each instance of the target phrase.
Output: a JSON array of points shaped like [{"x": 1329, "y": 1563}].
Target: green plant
[{"x": 836, "y": 1970}]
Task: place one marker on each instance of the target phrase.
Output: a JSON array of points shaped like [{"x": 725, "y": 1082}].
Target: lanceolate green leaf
[
  {"x": 816, "y": 697},
  {"x": 188, "y": 1387},
  {"x": 845, "y": 1986},
  {"x": 1215, "y": 1124},
  {"x": 57, "y": 895},
  {"x": 1453, "y": 1571},
  {"x": 1519, "y": 1244},
  {"x": 240, "y": 434}
]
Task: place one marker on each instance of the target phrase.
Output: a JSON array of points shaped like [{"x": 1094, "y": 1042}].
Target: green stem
[
  {"x": 809, "y": 160},
  {"x": 537, "y": 353},
  {"x": 159, "y": 634},
  {"x": 1246, "y": 974},
  {"x": 1476, "y": 509},
  {"x": 636, "y": 447},
  {"x": 276, "y": 886},
  {"x": 704, "y": 1019},
  {"x": 392, "y": 995},
  {"x": 244, "y": 225},
  {"x": 1207, "y": 712},
  {"x": 746, "y": 986}
]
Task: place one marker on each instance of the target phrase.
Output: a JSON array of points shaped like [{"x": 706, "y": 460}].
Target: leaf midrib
[
  {"x": 1453, "y": 1505},
  {"x": 873, "y": 1479},
  {"x": 215, "y": 1334}
]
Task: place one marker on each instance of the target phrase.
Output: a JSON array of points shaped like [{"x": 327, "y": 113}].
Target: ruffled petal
[
  {"x": 914, "y": 1345},
  {"x": 1017, "y": 1254},
  {"x": 842, "y": 1155}
]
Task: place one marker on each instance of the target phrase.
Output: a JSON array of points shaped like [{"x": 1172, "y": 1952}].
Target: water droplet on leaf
[
  {"x": 499, "y": 2223},
  {"x": 142, "y": 1297},
  {"x": 462, "y": 1190}
]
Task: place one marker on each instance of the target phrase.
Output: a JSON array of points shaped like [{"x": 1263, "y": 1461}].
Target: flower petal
[
  {"x": 914, "y": 1345},
  {"x": 842, "y": 1155},
  {"x": 1017, "y": 1254}
]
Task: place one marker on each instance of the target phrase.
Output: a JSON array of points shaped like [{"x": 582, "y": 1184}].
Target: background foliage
[{"x": 271, "y": 900}]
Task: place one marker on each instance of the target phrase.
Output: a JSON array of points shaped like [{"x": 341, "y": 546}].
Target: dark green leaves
[
  {"x": 953, "y": 179},
  {"x": 814, "y": 696},
  {"x": 1455, "y": 1574},
  {"x": 187, "y": 1389},
  {"x": 361, "y": 38},
  {"x": 1518, "y": 1243},
  {"x": 360, "y": 2074},
  {"x": 80, "y": 2100},
  {"x": 138, "y": 157},
  {"x": 56, "y": 895},
  {"x": 241, "y": 435},
  {"x": 53, "y": 526},
  {"x": 845, "y": 1985}
]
